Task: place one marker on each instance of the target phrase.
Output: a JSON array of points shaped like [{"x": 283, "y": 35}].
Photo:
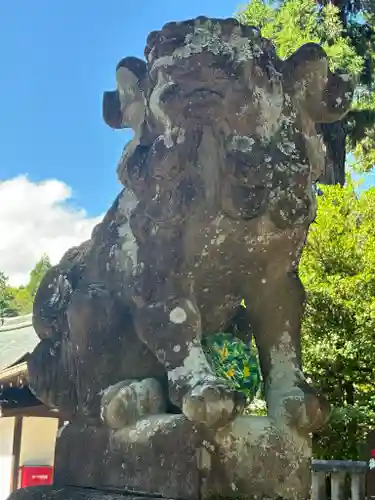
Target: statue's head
[
  {"x": 198, "y": 72},
  {"x": 214, "y": 72},
  {"x": 221, "y": 72},
  {"x": 222, "y": 76}
]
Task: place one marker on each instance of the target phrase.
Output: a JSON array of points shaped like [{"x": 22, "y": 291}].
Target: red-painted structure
[{"x": 35, "y": 476}]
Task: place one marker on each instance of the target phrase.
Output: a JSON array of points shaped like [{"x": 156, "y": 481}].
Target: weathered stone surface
[
  {"x": 71, "y": 493},
  {"x": 155, "y": 456},
  {"x": 218, "y": 199},
  {"x": 165, "y": 455},
  {"x": 254, "y": 458}
]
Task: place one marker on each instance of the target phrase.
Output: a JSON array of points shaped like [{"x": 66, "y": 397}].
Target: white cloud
[{"x": 35, "y": 220}]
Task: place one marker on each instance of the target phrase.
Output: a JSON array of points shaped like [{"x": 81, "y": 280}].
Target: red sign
[{"x": 35, "y": 476}]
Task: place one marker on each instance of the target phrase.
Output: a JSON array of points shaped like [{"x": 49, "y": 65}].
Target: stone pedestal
[
  {"x": 255, "y": 459},
  {"x": 166, "y": 456},
  {"x": 156, "y": 456}
]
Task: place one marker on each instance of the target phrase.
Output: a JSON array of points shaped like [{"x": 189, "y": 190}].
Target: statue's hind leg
[
  {"x": 170, "y": 326},
  {"x": 276, "y": 311}
]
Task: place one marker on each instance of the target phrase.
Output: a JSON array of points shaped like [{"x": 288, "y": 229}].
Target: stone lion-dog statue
[{"x": 219, "y": 196}]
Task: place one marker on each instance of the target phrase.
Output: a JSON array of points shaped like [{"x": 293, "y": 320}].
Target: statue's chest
[{"x": 224, "y": 243}]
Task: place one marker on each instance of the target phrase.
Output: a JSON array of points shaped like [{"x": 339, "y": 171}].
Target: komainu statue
[{"x": 218, "y": 198}]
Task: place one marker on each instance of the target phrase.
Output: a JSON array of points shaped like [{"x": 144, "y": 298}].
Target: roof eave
[{"x": 13, "y": 374}]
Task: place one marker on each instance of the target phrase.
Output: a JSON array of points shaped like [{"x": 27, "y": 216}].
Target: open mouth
[
  {"x": 204, "y": 92},
  {"x": 196, "y": 96}
]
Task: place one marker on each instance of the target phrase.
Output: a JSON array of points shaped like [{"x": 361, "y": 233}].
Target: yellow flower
[
  {"x": 224, "y": 352},
  {"x": 246, "y": 371},
  {"x": 230, "y": 372}
]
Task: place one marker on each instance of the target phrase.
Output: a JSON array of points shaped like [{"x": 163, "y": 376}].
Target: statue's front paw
[
  {"x": 306, "y": 411},
  {"x": 310, "y": 414},
  {"x": 128, "y": 401},
  {"x": 212, "y": 404}
]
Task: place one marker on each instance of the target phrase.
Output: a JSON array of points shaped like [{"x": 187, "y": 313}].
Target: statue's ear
[
  {"x": 325, "y": 96},
  {"x": 125, "y": 107}
]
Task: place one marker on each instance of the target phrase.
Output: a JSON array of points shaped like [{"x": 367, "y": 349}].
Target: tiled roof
[{"x": 17, "y": 338}]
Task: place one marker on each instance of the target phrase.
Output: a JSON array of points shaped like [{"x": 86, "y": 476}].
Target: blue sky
[{"x": 57, "y": 57}]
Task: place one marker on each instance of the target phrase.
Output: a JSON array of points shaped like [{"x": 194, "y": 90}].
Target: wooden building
[{"x": 27, "y": 428}]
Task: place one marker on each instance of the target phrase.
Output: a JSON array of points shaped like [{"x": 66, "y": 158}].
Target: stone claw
[
  {"x": 128, "y": 401},
  {"x": 309, "y": 414},
  {"x": 213, "y": 405}
]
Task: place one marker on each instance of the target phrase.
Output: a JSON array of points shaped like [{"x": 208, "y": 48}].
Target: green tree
[
  {"x": 345, "y": 29},
  {"x": 15, "y": 301},
  {"x": 37, "y": 275},
  {"x": 6, "y": 298},
  {"x": 358, "y": 21},
  {"x": 337, "y": 269},
  {"x": 22, "y": 300}
]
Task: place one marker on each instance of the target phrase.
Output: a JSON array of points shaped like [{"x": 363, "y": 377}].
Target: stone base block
[
  {"x": 164, "y": 455},
  {"x": 254, "y": 459},
  {"x": 157, "y": 455}
]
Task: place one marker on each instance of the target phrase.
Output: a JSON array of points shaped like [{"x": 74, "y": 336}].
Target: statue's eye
[
  {"x": 167, "y": 45},
  {"x": 176, "y": 40}
]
